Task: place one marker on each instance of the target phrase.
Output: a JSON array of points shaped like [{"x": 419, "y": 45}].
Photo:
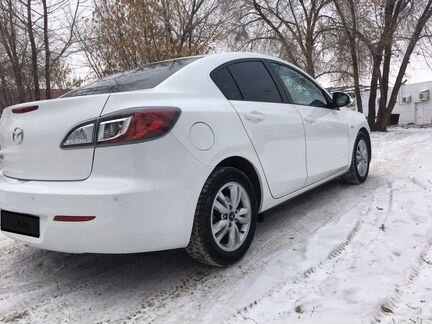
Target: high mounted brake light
[
  {"x": 126, "y": 127},
  {"x": 24, "y": 110},
  {"x": 61, "y": 218}
]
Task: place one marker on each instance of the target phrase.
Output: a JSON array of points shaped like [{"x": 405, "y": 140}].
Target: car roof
[
  {"x": 230, "y": 56},
  {"x": 227, "y": 56},
  {"x": 197, "y": 74}
]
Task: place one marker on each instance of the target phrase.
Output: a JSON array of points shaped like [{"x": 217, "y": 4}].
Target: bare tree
[
  {"x": 52, "y": 57},
  {"x": 161, "y": 30},
  {"x": 347, "y": 12},
  {"x": 36, "y": 36},
  {"x": 34, "y": 52},
  {"x": 11, "y": 37},
  {"x": 400, "y": 27},
  {"x": 340, "y": 37},
  {"x": 297, "y": 26},
  {"x": 47, "y": 50}
]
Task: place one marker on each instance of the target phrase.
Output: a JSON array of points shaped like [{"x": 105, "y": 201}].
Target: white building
[{"x": 414, "y": 104}]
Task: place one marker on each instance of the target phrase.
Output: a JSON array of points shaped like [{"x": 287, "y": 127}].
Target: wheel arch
[{"x": 248, "y": 168}]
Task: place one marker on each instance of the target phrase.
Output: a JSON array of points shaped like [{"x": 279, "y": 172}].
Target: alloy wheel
[
  {"x": 231, "y": 216},
  {"x": 362, "y": 158}
]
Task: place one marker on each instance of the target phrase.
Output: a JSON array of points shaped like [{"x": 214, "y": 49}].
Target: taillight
[
  {"x": 111, "y": 130},
  {"x": 127, "y": 127},
  {"x": 81, "y": 135},
  {"x": 139, "y": 126}
]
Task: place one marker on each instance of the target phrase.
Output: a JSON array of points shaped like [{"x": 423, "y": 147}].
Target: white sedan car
[{"x": 179, "y": 154}]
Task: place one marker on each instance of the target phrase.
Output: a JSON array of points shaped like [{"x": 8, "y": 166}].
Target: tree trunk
[
  {"x": 382, "y": 122},
  {"x": 8, "y": 37},
  {"x": 352, "y": 39},
  {"x": 356, "y": 76},
  {"x": 47, "y": 51},
  {"x": 310, "y": 64},
  {"x": 374, "y": 90},
  {"x": 354, "y": 57},
  {"x": 382, "y": 117},
  {"x": 35, "y": 73}
]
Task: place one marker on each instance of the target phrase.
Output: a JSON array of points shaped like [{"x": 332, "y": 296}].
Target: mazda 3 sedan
[{"x": 178, "y": 154}]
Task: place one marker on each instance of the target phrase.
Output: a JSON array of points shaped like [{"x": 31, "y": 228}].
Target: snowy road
[{"x": 340, "y": 253}]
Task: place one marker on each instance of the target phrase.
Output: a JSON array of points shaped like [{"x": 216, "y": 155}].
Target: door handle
[
  {"x": 309, "y": 120},
  {"x": 254, "y": 116}
]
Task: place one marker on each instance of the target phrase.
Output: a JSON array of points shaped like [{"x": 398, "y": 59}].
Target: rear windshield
[{"x": 147, "y": 77}]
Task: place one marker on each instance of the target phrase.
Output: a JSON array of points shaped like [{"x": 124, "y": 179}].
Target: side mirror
[{"x": 341, "y": 99}]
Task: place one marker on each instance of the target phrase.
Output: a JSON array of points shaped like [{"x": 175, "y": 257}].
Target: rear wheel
[
  {"x": 225, "y": 218},
  {"x": 359, "y": 169}
]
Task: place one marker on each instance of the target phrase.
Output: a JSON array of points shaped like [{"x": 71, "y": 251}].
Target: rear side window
[
  {"x": 147, "y": 77},
  {"x": 255, "y": 82},
  {"x": 226, "y": 84}
]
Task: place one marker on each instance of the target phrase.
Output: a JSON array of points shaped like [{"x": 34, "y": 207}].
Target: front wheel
[
  {"x": 360, "y": 161},
  {"x": 225, "y": 218}
]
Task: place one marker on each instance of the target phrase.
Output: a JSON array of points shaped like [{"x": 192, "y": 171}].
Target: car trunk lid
[{"x": 30, "y": 139}]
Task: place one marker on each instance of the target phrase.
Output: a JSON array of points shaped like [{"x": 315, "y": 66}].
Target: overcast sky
[{"x": 419, "y": 70}]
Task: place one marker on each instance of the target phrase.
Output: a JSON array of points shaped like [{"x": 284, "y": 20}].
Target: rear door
[
  {"x": 34, "y": 152},
  {"x": 274, "y": 127},
  {"x": 327, "y": 133}
]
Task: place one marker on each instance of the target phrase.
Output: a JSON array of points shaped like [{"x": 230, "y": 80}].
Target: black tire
[
  {"x": 202, "y": 246},
  {"x": 353, "y": 176}
]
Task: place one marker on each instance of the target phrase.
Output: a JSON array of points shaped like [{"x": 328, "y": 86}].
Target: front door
[
  {"x": 327, "y": 139},
  {"x": 327, "y": 134}
]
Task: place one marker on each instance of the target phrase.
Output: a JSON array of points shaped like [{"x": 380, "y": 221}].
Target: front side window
[
  {"x": 255, "y": 82},
  {"x": 302, "y": 90}
]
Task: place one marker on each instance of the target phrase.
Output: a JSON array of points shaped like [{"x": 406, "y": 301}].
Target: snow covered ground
[{"x": 339, "y": 254}]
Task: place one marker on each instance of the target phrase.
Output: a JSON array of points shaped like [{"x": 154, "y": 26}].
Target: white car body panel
[
  {"x": 279, "y": 140},
  {"x": 327, "y": 142},
  {"x": 40, "y": 157},
  {"x": 144, "y": 195}
]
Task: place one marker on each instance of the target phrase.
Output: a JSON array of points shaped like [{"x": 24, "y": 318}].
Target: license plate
[{"x": 19, "y": 223}]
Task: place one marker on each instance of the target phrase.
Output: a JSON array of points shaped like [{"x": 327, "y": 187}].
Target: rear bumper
[
  {"x": 132, "y": 218},
  {"x": 136, "y": 210}
]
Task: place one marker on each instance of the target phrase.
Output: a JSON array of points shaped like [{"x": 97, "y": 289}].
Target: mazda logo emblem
[{"x": 18, "y": 136}]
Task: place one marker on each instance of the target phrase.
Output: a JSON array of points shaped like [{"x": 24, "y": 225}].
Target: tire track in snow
[
  {"x": 99, "y": 274},
  {"x": 377, "y": 216},
  {"x": 305, "y": 274},
  {"x": 393, "y": 301},
  {"x": 380, "y": 218},
  {"x": 336, "y": 252},
  {"x": 401, "y": 212},
  {"x": 256, "y": 261},
  {"x": 259, "y": 256}
]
